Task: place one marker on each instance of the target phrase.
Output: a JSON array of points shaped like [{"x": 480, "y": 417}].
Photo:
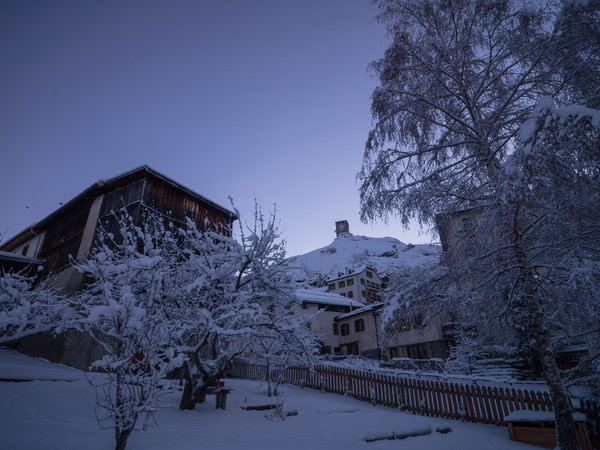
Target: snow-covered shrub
[{"x": 28, "y": 308}]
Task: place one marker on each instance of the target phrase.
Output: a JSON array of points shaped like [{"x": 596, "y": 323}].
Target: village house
[
  {"x": 325, "y": 307},
  {"x": 70, "y": 232},
  {"x": 362, "y": 284},
  {"x": 430, "y": 341},
  {"x": 361, "y": 334},
  {"x": 360, "y": 331}
]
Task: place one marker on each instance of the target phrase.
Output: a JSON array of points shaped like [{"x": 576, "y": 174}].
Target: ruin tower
[{"x": 341, "y": 226}]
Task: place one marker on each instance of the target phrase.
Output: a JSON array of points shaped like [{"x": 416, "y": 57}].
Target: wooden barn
[{"x": 71, "y": 230}]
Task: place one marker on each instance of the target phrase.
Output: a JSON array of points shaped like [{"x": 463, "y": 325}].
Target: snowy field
[{"x": 55, "y": 411}]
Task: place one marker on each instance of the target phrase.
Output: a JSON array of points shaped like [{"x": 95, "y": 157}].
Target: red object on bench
[{"x": 218, "y": 385}]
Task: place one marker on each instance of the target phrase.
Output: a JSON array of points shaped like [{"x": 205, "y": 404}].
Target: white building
[
  {"x": 325, "y": 307},
  {"x": 362, "y": 284}
]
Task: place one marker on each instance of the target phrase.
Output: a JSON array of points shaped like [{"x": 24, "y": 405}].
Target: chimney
[{"x": 341, "y": 226}]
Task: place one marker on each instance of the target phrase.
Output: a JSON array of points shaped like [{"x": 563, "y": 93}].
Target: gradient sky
[{"x": 263, "y": 98}]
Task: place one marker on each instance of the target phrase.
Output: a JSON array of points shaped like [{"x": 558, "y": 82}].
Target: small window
[
  {"x": 337, "y": 350},
  {"x": 332, "y": 287},
  {"x": 24, "y": 252},
  {"x": 362, "y": 281},
  {"x": 303, "y": 305},
  {"x": 341, "y": 284},
  {"x": 350, "y": 294},
  {"x": 359, "y": 325},
  {"x": 345, "y": 329},
  {"x": 350, "y": 282},
  {"x": 335, "y": 329},
  {"x": 369, "y": 274},
  {"x": 364, "y": 294},
  {"x": 343, "y": 294}
]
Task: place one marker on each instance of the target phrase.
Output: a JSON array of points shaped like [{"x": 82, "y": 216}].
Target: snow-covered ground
[{"x": 59, "y": 414}]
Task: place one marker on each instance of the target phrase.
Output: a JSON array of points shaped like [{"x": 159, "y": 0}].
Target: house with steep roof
[{"x": 69, "y": 233}]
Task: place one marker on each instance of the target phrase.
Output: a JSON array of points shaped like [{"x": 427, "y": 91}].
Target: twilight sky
[{"x": 263, "y": 98}]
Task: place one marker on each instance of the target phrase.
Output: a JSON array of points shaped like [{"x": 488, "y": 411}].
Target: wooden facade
[
  {"x": 70, "y": 234},
  {"x": 63, "y": 239},
  {"x": 140, "y": 191}
]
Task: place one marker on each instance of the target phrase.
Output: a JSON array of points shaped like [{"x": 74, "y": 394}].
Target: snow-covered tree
[
  {"x": 231, "y": 285},
  {"x": 123, "y": 308},
  {"x": 576, "y": 54},
  {"x": 457, "y": 83},
  {"x": 27, "y": 308},
  {"x": 283, "y": 339}
]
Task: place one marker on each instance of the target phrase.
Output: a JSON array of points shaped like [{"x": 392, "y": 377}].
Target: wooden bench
[{"x": 539, "y": 428}]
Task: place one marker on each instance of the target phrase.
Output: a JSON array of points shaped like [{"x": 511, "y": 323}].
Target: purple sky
[{"x": 263, "y": 98}]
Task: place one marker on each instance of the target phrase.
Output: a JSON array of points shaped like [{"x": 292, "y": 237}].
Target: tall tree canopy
[
  {"x": 457, "y": 80},
  {"x": 466, "y": 129}
]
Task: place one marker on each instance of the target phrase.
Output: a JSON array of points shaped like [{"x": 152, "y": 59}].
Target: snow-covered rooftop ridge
[
  {"x": 364, "y": 309},
  {"x": 330, "y": 298},
  {"x": 350, "y": 272}
]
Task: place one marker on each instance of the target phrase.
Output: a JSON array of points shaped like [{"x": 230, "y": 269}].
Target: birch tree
[{"x": 457, "y": 85}]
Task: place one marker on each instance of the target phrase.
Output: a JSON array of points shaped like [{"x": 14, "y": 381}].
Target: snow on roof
[
  {"x": 524, "y": 415},
  {"x": 316, "y": 296},
  {"x": 353, "y": 272},
  {"x": 362, "y": 310}
]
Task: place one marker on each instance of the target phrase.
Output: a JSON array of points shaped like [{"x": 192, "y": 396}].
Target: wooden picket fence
[{"x": 467, "y": 402}]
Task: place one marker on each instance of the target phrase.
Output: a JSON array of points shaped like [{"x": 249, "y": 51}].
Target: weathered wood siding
[
  {"x": 63, "y": 239},
  {"x": 154, "y": 196},
  {"x": 178, "y": 205}
]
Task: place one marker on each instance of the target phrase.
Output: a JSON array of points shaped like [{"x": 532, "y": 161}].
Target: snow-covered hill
[{"x": 350, "y": 251}]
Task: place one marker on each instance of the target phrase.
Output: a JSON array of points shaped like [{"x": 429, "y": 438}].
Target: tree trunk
[
  {"x": 268, "y": 378},
  {"x": 566, "y": 432},
  {"x": 121, "y": 438},
  {"x": 187, "y": 401},
  {"x": 194, "y": 394}
]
